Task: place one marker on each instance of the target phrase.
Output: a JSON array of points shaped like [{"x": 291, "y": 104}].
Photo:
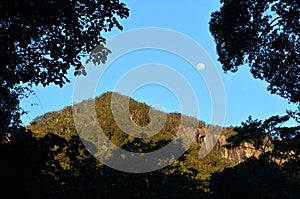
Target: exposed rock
[{"x": 237, "y": 154}]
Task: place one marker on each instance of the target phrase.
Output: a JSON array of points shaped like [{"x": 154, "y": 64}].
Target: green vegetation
[
  {"x": 263, "y": 35},
  {"x": 55, "y": 160},
  {"x": 41, "y": 40}
]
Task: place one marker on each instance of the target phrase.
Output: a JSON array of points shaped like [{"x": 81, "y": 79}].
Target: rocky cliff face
[
  {"x": 213, "y": 141},
  {"x": 239, "y": 153}
]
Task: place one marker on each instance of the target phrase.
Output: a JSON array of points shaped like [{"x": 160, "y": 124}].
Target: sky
[{"x": 244, "y": 95}]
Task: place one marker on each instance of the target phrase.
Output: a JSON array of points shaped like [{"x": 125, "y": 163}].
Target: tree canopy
[
  {"x": 42, "y": 39},
  {"x": 48, "y": 159},
  {"x": 265, "y": 35}
]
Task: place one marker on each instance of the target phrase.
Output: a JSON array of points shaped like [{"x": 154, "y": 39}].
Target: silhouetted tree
[
  {"x": 29, "y": 162},
  {"x": 277, "y": 144},
  {"x": 265, "y": 35},
  {"x": 41, "y": 39},
  {"x": 252, "y": 179},
  {"x": 54, "y": 167}
]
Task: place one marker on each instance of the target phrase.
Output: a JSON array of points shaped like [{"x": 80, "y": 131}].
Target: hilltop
[
  {"x": 62, "y": 124},
  {"x": 70, "y": 160},
  {"x": 59, "y": 153}
]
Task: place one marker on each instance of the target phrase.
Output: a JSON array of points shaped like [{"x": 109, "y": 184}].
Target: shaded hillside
[
  {"x": 62, "y": 123},
  {"x": 49, "y": 160}
]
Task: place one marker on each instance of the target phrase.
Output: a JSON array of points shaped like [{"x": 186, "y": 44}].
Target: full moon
[{"x": 200, "y": 66}]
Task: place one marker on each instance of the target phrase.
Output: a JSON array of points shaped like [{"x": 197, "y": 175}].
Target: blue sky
[{"x": 244, "y": 95}]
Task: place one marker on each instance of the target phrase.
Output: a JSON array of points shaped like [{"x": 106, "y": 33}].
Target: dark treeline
[{"x": 40, "y": 40}]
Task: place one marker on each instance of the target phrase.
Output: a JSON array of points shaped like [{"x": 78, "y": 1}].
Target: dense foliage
[
  {"x": 254, "y": 179},
  {"x": 265, "y": 36},
  {"x": 55, "y": 162},
  {"x": 42, "y": 39}
]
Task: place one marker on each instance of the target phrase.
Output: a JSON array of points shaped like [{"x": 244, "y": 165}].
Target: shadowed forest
[{"x": 42, "y": 39}]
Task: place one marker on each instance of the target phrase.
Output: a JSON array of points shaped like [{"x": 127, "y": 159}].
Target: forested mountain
[
  {"x": 53, "y": 162},
  {"x": 62, "y": 124},
  {"x": 188, "y": 172},
  {"x": 56, "y": 156}
]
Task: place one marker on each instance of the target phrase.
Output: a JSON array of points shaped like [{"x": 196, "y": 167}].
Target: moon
[{"x": 200, "y": 66}]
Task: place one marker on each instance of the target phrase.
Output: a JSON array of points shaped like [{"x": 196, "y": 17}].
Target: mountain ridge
[{"x": 62, "y": 123}]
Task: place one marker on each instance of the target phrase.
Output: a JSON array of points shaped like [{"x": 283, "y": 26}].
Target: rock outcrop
[{"x": 238, "y": 153}]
